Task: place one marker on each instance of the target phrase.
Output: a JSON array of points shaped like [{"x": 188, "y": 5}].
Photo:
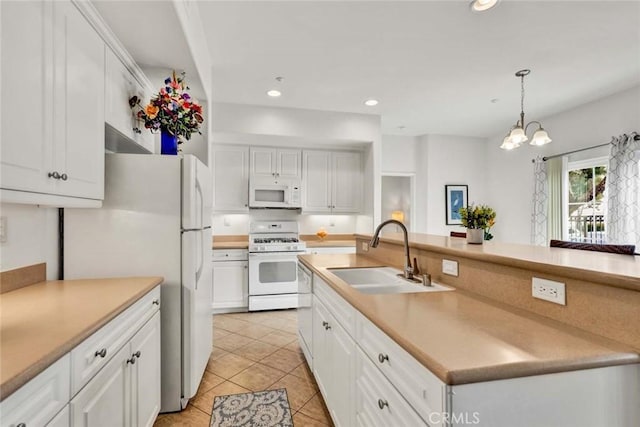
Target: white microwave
[{"x": 269, "y": 193}]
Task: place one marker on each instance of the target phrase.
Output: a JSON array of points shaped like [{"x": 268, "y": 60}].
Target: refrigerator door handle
[
  {"x": 201, "y": 265},
  {"x": 199, "y": 190}
]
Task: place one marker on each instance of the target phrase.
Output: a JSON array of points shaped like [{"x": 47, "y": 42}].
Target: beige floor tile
[
  {"x": 303, "y": 371},
  {"x": 233, "y": 341},
  {"x": 229, "y": 323},
  {"x": 217, "y": 352},
  {"x": 315, "y": 408},
  {"x": 301, "y": 420},
  {"x": 257, "y": 377},
  {"x": 283, "y": 359},
  {"x": 275, "y": 322},
  {"x": 256, "y": 331},
  {"x": 290, "y": 327},
  {"x": 294, "y": 346},
  {"x": 191, "y": 416},
  {"x": 204, "y": 402},
  {"x": 209, "y": 381},
  {"x": 219, "y": 333},
  {"x": 279, "y": 338},
  {"x": 256, "y": 350},
  {"x": 298, "y": 390},
  {"x": 229, "y": 365}
]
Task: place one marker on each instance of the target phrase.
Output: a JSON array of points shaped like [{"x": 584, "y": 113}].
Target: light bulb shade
[
  {"x": 507, "y": 144},
  {"x": 482, "y": 5},
  {"x": 517, "y": 136},
  {"x": 540, "y": 138}
]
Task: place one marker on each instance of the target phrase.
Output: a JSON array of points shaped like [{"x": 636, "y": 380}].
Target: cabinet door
[
  {"x": 346, "y": 182},
  {"x": 230, "y": 284},
  {"x": 342, "y": 365},
  {"x": 145, "y": 374},
  {"x": 119, "y": 87},
  {"x": 316, "y": 188},
  {"x": 263, "y": 162},
  {"x": 321, "y": 352},
  {"x": 78, "y": 106},
  {"x": 62, "y": 419},
  {"x": 106, "y": 400},
  {"x": 26, "y": 67},
  {"x": 289, "y": 164},
  {"x": 231, "y": 178}
]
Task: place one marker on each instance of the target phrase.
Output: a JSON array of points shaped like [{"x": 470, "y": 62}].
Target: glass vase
[{"x": 168, "y": 143}]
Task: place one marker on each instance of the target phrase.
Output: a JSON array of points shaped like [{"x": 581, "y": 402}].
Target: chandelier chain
[{"x": 522, "y": 96}]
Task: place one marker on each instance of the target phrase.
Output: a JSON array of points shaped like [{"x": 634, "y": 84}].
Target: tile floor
[{"x": 253, "y": 352}]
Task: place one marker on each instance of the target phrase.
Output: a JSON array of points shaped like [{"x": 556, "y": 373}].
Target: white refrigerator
[{"x": 155, "y": 221}]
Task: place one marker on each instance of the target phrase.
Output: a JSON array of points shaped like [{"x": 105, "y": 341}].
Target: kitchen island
[{"x": 480, "y": 351}]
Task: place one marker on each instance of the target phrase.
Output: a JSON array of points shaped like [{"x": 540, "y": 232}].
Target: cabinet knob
[
  {"x": 132, "y": 360},
  {"x": 156, "y": 302},
  {"x": 325, "y": 324},
  {"x": 102, "y": 353},
  {"x": 64, "y": 177},
  {"x": 246, "y": 205},
  {"x": 21, "y": 425},
  {"x": 136, "y": 354},
  {"x": 54, "y": 175},
  {"x": 382, "y": 357},
  {"x": 382, "y": 403}
]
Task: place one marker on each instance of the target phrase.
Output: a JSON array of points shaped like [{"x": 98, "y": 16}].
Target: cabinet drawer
[
  {"x": 94, "y": 352},
  {"x": 39, "y": 400},
  {"x": 344, "y": 313},
  {"x": 378, "y": 403},
  {"x": 423, "y": 390},
  {"x": 230, "y": 255}
]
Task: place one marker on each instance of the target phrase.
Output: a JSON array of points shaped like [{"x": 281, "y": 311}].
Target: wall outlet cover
[
  {"x": 548, "y": 290},
  {"x": 450, "y": 267},
  {"x": 365, "y": 247}
]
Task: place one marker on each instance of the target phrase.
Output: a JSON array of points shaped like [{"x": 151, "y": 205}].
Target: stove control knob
[{"x": 262, "y": 248}]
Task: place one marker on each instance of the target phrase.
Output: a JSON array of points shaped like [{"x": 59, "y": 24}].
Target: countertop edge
[
  {"x": 468, "y": 376},
  {"x": 11, "y": 385}
]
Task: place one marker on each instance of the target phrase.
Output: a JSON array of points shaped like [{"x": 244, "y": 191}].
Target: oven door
[{"x": 273, "y": 273}]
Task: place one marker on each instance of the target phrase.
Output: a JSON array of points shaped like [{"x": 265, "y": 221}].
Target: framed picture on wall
[{"x": 456, "y": 197}]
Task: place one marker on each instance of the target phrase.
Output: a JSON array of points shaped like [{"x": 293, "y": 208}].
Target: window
[{"x": 585, "y": 210}]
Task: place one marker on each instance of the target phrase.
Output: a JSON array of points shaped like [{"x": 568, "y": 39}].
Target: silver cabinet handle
[
  {"x": 156, "y": 302},
  {"x": 21, "y": 425},
  {"x": 382, "y": 403},
  {"x": 102, "y": 353},
  {"x": 54, "y": 175},
  {"x": 382, "y": 357},
  {"x": 64, "y": 177}
]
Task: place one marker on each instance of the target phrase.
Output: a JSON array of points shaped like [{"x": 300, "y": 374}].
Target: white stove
[{"x": 273, "y": 260}]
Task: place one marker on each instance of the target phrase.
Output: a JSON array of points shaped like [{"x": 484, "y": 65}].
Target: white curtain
[
  {"x": 554, "y": 211},
  {"x": 540, "y": 200},
  {"x": 623, "y": 191}
]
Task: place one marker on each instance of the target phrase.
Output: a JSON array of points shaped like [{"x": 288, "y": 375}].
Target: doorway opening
[{"x": 398, "y": 198}]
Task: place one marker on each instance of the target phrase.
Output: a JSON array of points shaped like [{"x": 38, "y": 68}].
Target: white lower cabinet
[
  {"x": 230, "y": 280},
  {"x": 126, "y": 391},
  {"x": 110, "y": 379},
  {"x": 378, "y": 403},
  {"x": 334, "y": 364}
]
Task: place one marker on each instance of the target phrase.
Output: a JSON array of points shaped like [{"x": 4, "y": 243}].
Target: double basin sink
[{"x": 382, "y": 280}]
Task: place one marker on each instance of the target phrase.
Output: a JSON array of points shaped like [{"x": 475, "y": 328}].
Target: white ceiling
[{"x": 434, "y": 65}]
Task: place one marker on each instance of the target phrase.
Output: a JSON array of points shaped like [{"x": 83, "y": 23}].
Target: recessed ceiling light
[
  {"x": 371, "y": 102},
  {"x": 483, "y": 5},
  {"x": 274, "y": 93}
]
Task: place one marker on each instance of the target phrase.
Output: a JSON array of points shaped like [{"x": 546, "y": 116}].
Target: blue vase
[{"x": 168, "y": 143}]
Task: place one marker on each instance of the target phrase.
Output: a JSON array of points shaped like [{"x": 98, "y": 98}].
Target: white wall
[
  {"x": 399, "y": 154},
  {"x": 228, "y": 224},
  {"x": 32, "y": 238},
  {"x": 510, "y": 173}
]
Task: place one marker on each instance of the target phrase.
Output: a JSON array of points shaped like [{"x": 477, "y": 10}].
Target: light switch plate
[
  {"x": 450, "y": 267},
  {"x": 548, "y": 290}
]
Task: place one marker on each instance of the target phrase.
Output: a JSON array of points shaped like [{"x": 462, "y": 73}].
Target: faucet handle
[{"x": 416, "y": 270}]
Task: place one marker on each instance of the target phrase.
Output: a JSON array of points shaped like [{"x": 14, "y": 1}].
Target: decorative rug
[{"x": 259, "y": 409}]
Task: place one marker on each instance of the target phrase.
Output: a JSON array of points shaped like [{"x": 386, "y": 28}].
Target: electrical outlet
[
  {"x": 450, "y": 267},
  {"x": 365, "y": 247},
  {"x": 548, "y": 290}
]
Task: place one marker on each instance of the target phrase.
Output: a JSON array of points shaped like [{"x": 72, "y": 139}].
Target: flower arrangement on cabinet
[
  {"x": 479, "y": 217},
  {"x": 172, "y": 110}
]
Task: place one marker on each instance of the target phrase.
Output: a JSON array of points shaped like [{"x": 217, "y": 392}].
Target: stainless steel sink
[{"x": 382, "y": 280}]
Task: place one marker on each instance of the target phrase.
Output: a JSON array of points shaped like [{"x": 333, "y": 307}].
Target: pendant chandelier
[{"x": 518, "y": 133}]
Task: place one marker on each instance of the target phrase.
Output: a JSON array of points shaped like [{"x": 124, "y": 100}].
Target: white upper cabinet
[
  {"x": 52, "y": 104},
  {"x": 332, "y": 181},
  {"x": 231, "y": 178},
  {"x": 276, "y": 163},
  {"x": 121, "y": 85}
]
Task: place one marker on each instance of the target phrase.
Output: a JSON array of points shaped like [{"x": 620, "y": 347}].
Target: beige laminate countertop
[
  {"x": 242, "y": 242},
  {"x": 42, "y": 322},
  {"x": 463, "y": 338},
  {"x": 331, "y": 243},
  {"x": 612, "y": 269}
]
